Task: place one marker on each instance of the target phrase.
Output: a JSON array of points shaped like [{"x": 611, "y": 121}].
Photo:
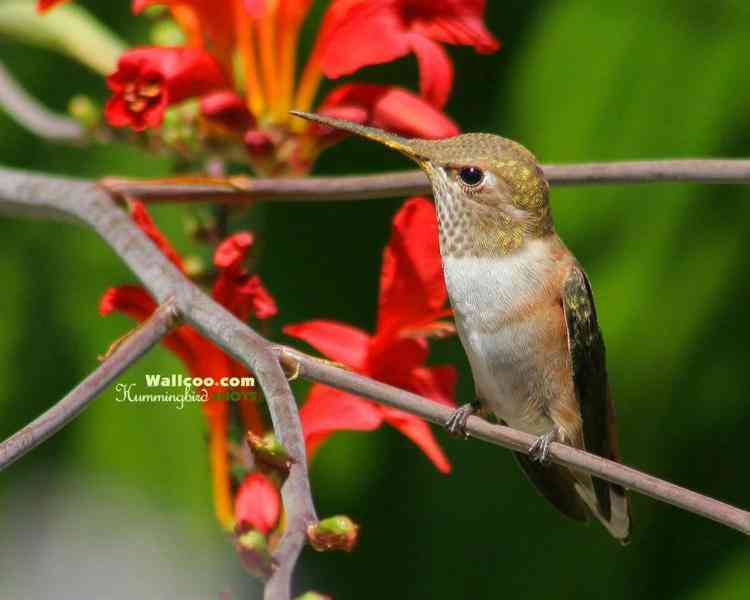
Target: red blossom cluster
[
  {"x": 238, "y": 69},
  {"x": 250, "y": 105},
  {"x": 241, "y": 293},
  {"x": 412, "y": 302}
]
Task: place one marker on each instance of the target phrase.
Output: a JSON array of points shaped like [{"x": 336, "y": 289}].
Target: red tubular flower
[
  {"x": 150, "y": 79},
  {"x": 257, "y": 504},
  {"x": 140, "y": 215},
  {"x": 201, "y": 356},
  {"x": 412, "y": 295},
  {"x": 243, "y": 294},
  {"x": 388, "y": 107},
  {"x": 360, "y": 33}
]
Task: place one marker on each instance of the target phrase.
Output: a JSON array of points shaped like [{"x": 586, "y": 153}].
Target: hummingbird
[{"x": 523, "y": 310}]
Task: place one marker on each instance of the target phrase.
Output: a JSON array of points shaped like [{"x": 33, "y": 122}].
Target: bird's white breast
[{"x": 488, "y": 295}]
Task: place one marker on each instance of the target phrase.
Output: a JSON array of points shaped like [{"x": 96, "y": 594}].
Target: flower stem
[{"x": 221, "y": 482}]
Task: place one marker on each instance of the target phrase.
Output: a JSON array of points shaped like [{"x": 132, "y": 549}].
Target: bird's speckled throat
[{"x": 471, "y": 228}]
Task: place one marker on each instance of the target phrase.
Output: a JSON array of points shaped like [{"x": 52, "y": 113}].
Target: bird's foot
[
  {"x": 456, "y": 423},
  {"x": 539, "y": 450}
]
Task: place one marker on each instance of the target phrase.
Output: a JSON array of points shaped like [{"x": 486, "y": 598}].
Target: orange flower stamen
[
  {"x": 246, "y": 43},
  {"x": 307, "y": 90},
  {"x": 290, "y": 17},
  {"x": 267, "y": 42}
]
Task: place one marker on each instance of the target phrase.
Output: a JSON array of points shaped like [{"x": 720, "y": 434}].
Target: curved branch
[
  {"x": 50, "y": 197},
  {"x": 29, "y": 113},
  {"x": 243, "y": 189},
  {"x": 68, "y": 199},
  {"x": 129, "y": 350}
]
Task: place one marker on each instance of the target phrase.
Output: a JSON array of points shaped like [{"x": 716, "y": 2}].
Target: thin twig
[
  {"x": 29, "y": 113},
  {"x": 53, "y": 197},
  {"x": 242, "y": 190},
  {"x": 324, "y": 372},
  {"x": 123, "y": 356}
]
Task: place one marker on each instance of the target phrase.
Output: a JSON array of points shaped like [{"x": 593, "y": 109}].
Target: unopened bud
[
  {"x": 253, "y": 550},
  {"x": 84, "y": 110},
  {"x": 166, "y": 33},
  {"x": 270, "y": 455},
  {"x": 194, "y": 266},
  {"x": 313, "y": 596},
  {"x": 334, "y": 533},
  {"x": 258, "y": 143}
]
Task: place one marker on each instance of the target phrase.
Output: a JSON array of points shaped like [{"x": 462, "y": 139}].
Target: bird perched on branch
[{"x": 524, "y": 311}]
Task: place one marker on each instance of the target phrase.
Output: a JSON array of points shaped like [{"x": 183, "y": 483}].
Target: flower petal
[
  {"x": 403, "y": 112},
  {"x": 338, "y": 341},
  {"x": 435, "y": 70},
  {"x": 131, "y": 300},
  {"x": 150, "y": 79},
  {"x": 388, "y": 107},
  {"x": 45, "y": 5},
  {"x": 412, "y": 286},
  {"x": 143, "y": 219},
  {"x": 392, "y": 359},
  {"x": 457, "y": 22},
  {"x": 328, "y": 410},
  {"x": 201, "y": 357},
  {"x": 258, "y": 503},
  {"x": 244, "y": 296},
  {"x": 231, "y": 253},
  {"x": 255, "y": 8},
  {"x": 436, "y": 383},
  {"x": 205, "y": 24},
  {"x": 420, "y": 433},
  {"x": 348, "y": 41},
  {"x": 226, "y": 109}
]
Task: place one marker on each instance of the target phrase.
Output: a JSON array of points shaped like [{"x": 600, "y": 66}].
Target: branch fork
[{"x": 57, "y": 198}]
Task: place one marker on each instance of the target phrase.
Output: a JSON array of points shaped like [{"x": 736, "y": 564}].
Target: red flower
[
  {"x": 45, "y": 5},
  {"x": 150, "y": 79},
  {"x": 228, "y": 109},
  {"x": 201, "y": 356},
  {"x": 257, "y": 503},
  {"x": 412, "y": 298},
  {"x": 360, "y": 33},
  {"x": 243, "y": 294},
  {"x": 208, "y": 24},
  {"x": 388, "y": 107}
]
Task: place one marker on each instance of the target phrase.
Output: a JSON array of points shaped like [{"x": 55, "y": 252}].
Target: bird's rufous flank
[{"x": 524, "y": 311}]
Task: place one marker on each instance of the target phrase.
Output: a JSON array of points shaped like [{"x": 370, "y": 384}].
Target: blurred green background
[{"x": 118, "y": 504}]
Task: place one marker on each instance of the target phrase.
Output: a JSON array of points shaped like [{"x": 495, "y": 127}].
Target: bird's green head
[{"x": 490, "y": 191}]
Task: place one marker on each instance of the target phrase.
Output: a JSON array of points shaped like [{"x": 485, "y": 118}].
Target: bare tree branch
[
  {"x": 42, "y": 196},
  {"x": 135, "y": 345},
  {"x": 320, "y": 371},
  {"x": 696, "y": 170},
  {"x": 29, "y": 113},
  {"x": 243, "y": 189}
]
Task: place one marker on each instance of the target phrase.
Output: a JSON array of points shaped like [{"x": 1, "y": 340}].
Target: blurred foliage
[{"x": 575, "y": 81}]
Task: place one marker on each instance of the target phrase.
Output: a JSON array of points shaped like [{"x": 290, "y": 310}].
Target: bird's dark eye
[{"x": 471, "y": 176}]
